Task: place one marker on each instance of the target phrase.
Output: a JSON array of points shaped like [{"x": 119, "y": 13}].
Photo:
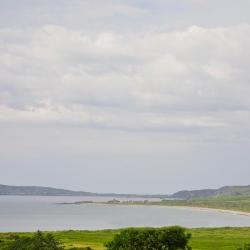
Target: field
[{"x": 202, "y": 238}]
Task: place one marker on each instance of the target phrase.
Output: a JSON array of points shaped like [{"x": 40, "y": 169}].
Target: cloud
[
  {"x": 163, "y": 86},
  {"x": 200, "y": 71}
]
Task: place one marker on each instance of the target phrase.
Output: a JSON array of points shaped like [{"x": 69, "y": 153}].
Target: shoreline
[{"x": 221, "y": 210}]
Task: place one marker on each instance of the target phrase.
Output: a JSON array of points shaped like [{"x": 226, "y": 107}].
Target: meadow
[{"x": 202, "y": 238}]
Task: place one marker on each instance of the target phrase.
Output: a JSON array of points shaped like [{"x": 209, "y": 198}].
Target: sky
[{"x": 128, "y": 96}]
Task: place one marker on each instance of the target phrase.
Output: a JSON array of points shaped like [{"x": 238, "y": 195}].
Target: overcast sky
[{"x": 131, "y": 96}]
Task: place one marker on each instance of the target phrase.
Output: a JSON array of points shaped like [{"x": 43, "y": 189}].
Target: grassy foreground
[{"x": 202, "y": 238}]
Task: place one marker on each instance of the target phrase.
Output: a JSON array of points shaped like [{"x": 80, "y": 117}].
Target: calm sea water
[{"x": 29, "y": 213}]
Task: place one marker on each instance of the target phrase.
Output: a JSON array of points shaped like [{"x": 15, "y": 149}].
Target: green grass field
[{"x": 202, "y": 238}]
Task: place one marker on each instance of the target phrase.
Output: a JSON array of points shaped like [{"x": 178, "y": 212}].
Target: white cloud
[
  {"x": 167, "y": 80},
  {"x": 199, "y": 70}
]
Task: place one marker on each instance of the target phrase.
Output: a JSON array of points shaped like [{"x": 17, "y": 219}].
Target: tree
[
  {"x": 174, "y": 238},
  {"x": 171, "y": 238}
]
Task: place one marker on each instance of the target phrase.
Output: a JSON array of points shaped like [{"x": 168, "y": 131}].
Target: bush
[
  {"x": 171, "y": 238},
  {"x": 38, "y": 242}
]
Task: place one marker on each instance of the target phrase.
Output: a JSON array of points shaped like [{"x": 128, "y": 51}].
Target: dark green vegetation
[
  {"x": 202, "y": 238},
  {"x": 171, "y": 238},
  {"x": 245, "y": 247},
  {"x": 36, "y": 241}
]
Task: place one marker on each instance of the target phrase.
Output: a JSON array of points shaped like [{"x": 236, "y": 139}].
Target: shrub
[
  {"x": 171, "y": 238},
  {"x": 37, "y": 242}
]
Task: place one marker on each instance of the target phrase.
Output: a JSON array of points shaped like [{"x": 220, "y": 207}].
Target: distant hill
[
  {"x": 204, "y": 193},
  {"x": 48, "y": 191},
  {"x": 35, "y": 190},
  {"x": 185, "y": 194}
]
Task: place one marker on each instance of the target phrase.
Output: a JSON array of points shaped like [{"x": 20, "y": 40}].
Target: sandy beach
[
  {"x": 213, "y": 209},
  {"x": 162, "y": 206}
]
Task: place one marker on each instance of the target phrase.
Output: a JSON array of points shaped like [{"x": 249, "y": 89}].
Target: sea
[{"x": 32, "y": 213}]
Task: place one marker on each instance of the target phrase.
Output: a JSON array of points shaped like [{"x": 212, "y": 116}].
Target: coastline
[{"x": 221, "y": 210}]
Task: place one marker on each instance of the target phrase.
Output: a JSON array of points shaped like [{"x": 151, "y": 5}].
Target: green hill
[
  {"x": 204, "y": 193},
  {"x": 40, "y": 191}
]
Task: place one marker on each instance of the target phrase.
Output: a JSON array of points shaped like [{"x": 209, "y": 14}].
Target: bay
[{"x": 31, "y": 213}]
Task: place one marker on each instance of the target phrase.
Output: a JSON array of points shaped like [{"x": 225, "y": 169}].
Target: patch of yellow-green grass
[
  {"x": 93, "y": 239},
  {"x": 219, "y": 238}
]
